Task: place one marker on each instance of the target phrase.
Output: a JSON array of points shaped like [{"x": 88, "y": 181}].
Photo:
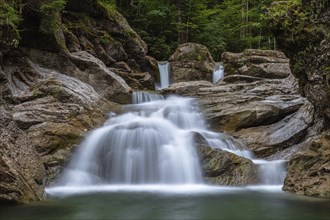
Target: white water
[
  {"x": 218, "y": 72},
  {"x": 140, "y": 97},
  {"x": 271, "y": 172},
  {"x": 152, "y": 144},
  {"x": 164, "y": 73}
]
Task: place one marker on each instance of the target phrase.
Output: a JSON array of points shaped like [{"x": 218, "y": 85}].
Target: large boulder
[
  {"x": 266, "y": 140},
  {"x": 191, "y": 62},
  {"x": 257, "y": 63},
  {"x": 309, "y": 169},
  {"x": 107, "y": 36},
  {"x": 224, "y": 168}
]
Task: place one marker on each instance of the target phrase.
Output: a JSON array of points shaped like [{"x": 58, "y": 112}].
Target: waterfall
[
  {"x": 164, "y": 73},
  {"x": 271, "y": 172},
  {"x": 140, "y": 97},
  {"x": 218, "y": 72},
  {"x": 149, "y": 144},
  {"x": 152, "y": 142}
]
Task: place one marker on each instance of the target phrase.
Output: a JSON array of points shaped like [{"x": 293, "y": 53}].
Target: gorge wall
[
  {"x": 259, "y": 102},
  {"x": 303, "y": 34},
  {"x": 60, "y": 83}
]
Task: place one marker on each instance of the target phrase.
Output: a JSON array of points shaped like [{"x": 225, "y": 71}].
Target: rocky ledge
[{"x": 258, "y": 102}]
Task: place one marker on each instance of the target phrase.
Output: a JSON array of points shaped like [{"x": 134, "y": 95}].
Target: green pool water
[{"x": 216, "y": 203}]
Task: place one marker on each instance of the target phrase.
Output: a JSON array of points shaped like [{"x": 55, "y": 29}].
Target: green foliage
[
  {"x": 296, "y": 22},
  {"x": 9, "y": 20},
  {"x": 110, "y": 5},
  {"x": 50, "y": 15},
  {"x": 230, "y": 25}
]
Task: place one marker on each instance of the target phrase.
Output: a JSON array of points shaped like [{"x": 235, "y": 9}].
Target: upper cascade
[
  {"x": 218, "y": 73},
  {"x": 164, "y": 74}
]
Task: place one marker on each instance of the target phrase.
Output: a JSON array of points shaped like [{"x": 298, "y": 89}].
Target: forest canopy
[{"x": 221, "y": 25}]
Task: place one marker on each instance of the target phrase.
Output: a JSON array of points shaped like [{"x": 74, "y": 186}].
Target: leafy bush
[
  {"x": 49, "y": 15},
  {"x": 9, "y": 20}
]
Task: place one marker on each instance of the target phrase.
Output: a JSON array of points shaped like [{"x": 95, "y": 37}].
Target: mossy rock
[{"x": 224, "y": 168}]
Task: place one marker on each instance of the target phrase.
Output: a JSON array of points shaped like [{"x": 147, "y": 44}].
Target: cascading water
[
  {"x": 140, "y": 97},
  {"x": 152, "y": 143},
  {"x": 164, "y": 73},
  {"x": 218, "y": 72},
  {"x": 271, "y": 172}
]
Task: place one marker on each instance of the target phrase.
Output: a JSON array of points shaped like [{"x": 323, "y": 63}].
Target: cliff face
[
  {"x": 258, "y": 102},
  {"x": 302, "y": 32},
  {"x": 61, "y": 81}
]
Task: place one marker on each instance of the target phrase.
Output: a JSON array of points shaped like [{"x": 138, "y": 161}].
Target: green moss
[
  {"x": 129, "y": 34},
  {"x": 50, "y": 19},
  {"x": 105, "y": 38},
  {"x": 110, "y": 5},
  {"x": 36, "y": 92},
  {"x": 78, "y": 22}
]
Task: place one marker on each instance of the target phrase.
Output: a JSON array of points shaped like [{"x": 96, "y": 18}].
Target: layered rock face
[
  {"x": 258, "y": 101},
  {"x": 191, "y": 62},
  {"x": 309, "y": 52},
  {"x": 266, "y": 111},
  {"x": 308, "y": 170},
  {"x": 56, "y": 86},
  {"x": 21, "y": 169}
]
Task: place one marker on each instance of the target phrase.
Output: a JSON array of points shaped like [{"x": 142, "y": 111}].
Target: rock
[
  {"x": 266, "y": 54},
  {"x": 309, "y": 54},
  {"x": 72, "y": 42},
  {"x": 55, "y": 110},
  {"x": 191, "y": 62},
  {"x": 21, "y": 169},
  {"x": 105, "y": 82},
  {"x": 309, "y": 168},
  {"x": 266, "y": 70},
  {"x": 240, "y": 79},
  {"x": 224, "y": 168},
  {"x": 116, "y": 50},
  {"x": 59, "y": 86},
  {"x": 54, "y": 141},
  {"x": 36, "y": 34},
  {"x": 269, "y": 139},
  {"x": 185, "y": 88},
  {"x": 267, "y": 112},
  {"x": 257, "y": 63},
  {"x": 135, "y": 79}
]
